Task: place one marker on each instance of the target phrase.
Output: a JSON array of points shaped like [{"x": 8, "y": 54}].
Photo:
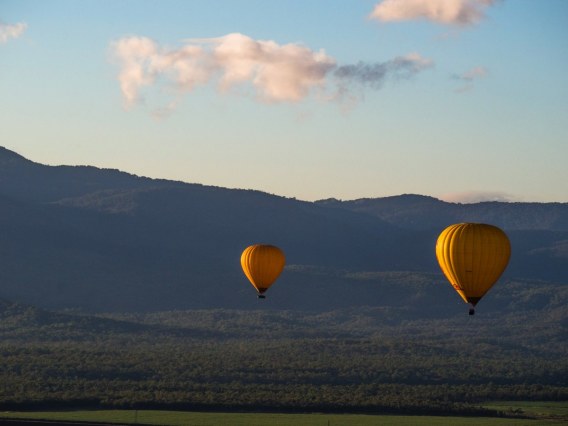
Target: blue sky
[{"x": 464, "y": 100}]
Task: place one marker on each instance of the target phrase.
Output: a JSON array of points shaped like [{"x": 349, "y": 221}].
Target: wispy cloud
[
  {"x": 351, "y": 80},
  {"x": 469, "y": 197},
  {"x": 373, "y": 75},
  {"x": 236, "y": 63},
  {"x": 469, "y": 77},
  {"x": 449, "y": 12},
  {"x": 8, "y": 31}
]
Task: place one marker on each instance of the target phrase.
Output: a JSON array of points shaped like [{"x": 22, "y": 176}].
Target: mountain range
[{"x": 80, "y": 237}]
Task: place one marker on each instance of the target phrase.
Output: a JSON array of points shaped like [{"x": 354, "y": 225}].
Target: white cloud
[
  {"x": 240, "y": 64},
  {"x": 137, "y": 56},
  {"x": 453, "y": 12},
  {"x": 469, "y": 197},
  {"x": 278, "y": 73},
  {"x": 8, "y": 31}
]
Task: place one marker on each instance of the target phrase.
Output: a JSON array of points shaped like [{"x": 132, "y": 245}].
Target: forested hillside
[{"x": 346, "y": 360}]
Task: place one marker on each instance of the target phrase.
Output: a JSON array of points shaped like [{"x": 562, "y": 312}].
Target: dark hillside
[
  {"x": 105, "y": 240},
  {"x": 176, "y": 249}
]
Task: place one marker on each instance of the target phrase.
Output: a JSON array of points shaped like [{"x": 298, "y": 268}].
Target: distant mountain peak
[
  {"x": 414, "y": 197},
  {"x": 403, "y": 199}
]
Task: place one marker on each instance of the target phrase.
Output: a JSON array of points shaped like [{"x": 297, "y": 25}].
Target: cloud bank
[
  {"x": 236, "y": 63},
  {"x": 448, "y": 12},
  {"x": 469, "y": 197},
  {"x": 8, "y": 31}
]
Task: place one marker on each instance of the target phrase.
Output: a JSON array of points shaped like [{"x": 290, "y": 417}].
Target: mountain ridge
[
  {"x": 407, "y": 199},
  {"x": 417, "y": 212}
]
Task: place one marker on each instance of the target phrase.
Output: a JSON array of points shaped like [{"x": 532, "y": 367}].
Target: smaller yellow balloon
[{"x": 262, "y": 264}]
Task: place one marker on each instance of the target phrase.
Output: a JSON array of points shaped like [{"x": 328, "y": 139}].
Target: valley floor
[{"x": 366, "y": 361}]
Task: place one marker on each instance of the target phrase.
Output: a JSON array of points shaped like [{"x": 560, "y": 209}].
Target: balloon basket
[
  {"x": 471, "y": 311},
  {"x": 261, "y": 296}
]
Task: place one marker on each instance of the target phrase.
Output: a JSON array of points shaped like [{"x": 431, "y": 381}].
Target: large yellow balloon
[
  {"x": 473, "y": 256},
  {"x": 262, "y": 264}
]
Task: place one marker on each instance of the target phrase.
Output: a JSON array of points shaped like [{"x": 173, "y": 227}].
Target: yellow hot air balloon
[
  {"x": 472, "y": 257},
  {"x": 262, "y": 264}
]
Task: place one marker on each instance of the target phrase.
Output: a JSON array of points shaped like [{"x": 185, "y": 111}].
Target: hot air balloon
[
  {"x": 472, "y": 257},
  {"x": 262, "y": 264}
]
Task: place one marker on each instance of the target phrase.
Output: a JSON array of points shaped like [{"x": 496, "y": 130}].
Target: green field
[
  {"x": 554, "y": 410},
  {"x": 149, "y": 417}
]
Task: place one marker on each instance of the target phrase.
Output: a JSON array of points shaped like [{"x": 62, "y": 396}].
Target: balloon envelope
[
  {"x": 262, "y": 264},
  {"x": 473, "y": 256}
]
